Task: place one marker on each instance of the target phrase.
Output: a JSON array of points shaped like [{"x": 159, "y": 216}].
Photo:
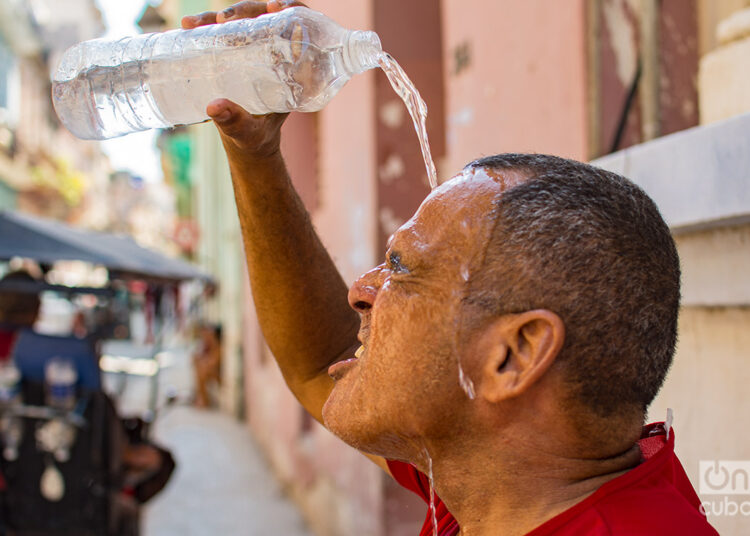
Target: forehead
[{"x": 460, "y": 211}]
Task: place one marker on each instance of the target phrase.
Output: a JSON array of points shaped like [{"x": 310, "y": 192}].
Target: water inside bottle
[{"x": 416, "y": 107}]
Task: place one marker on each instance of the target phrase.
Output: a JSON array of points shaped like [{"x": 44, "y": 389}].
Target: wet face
[{"x": 404, "y": 384}]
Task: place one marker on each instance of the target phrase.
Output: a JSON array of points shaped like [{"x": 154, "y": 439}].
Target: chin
[
  {"x": 342, "y": 421},
  {"x": 365, "y": 430}
]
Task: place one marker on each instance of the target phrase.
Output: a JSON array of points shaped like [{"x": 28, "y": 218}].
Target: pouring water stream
[{"x": 416, "y": 107}]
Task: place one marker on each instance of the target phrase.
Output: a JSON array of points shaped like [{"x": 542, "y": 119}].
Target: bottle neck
[{"x": 361, "y": 51}]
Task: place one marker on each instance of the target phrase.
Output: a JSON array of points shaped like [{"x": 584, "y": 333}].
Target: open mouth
[{"x": 338, "y": 369}]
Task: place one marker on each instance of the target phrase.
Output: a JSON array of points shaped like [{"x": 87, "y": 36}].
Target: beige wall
[
  {"x": 715, "y": 264},
  {"x": 710, "y": 14},
  {"x": 708, "y": 390},
  {"x": 708, "y": 384}
]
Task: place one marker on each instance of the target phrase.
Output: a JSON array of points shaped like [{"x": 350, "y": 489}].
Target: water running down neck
[
  {"x": 416, "y": 107},
  {"x": 433, "y": 512}
]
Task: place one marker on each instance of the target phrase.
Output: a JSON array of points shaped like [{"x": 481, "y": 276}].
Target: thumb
[
  {"x": 230, "y": 118},
  {"x": 257, "y": 136}
]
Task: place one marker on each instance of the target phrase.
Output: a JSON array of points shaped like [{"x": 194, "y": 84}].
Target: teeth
[{"x": 359, "y": 352}]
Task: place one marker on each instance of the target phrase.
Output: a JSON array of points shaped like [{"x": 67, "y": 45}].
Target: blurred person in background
[
  {"x": 207, "y": 362},
  {"x": 18, "y": 310},
  {"x": 146, "y": 466}
]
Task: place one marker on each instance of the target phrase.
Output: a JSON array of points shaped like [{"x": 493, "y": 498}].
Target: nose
[{"x": 364, "y": 290}]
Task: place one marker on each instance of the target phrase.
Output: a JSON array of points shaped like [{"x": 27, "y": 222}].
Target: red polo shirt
[{"x": 654, "y": 498}]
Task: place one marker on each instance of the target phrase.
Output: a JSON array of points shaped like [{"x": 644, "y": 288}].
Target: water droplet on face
[
  {"x": 465, "y": 273},
  {"x": 466, "y": 384}
]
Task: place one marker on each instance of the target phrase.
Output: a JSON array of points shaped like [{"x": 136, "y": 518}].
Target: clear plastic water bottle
[
  {"x": 60, "y": 377},
  {"x": 11, "y": 426},
  {"x": 296, "y": 59}
]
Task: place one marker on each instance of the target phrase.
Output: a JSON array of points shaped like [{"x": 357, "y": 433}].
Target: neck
[{"x": 520, "y": 480}]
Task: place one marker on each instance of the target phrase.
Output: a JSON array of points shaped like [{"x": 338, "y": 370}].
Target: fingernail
[
  {"x": 223, "y": 116},
  {"x": 228, "y": 13}
]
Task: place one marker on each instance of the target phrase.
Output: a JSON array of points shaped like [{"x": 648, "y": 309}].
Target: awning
[{"x": 48, "y": 241}]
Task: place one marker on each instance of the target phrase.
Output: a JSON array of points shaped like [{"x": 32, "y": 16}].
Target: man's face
[{"x": 404, "y": 384}]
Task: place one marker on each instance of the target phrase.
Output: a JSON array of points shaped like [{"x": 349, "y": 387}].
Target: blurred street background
[
  {"x": 222, "y": 483},
  {"x": 658, "y": 90}
]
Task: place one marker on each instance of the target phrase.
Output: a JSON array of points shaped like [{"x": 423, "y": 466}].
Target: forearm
[{"x": 299, "y": 295}]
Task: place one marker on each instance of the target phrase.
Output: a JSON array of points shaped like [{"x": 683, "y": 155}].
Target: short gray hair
[{"x": 592, "y": 247}]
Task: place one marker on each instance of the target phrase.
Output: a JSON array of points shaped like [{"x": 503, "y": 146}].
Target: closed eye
[{"x": 394, "y": 263}]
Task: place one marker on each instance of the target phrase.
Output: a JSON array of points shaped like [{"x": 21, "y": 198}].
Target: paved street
[{"x": 220, "y": 486}]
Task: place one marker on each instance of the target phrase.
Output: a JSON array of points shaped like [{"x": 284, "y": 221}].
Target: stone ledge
[{"x": 699, "y": 178}]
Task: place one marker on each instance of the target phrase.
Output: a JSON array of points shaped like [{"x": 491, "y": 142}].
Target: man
[
  {"x": 146, "y": 467},
  {"x": 207, "y": 362},
  {"x": 18, "y": 310},
  {"x": 508, "y": 347}
]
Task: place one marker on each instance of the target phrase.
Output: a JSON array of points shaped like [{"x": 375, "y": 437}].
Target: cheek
[{"x": 409, "y": 326}]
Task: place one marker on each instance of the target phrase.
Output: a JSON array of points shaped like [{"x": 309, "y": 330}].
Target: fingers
[
  {"x": 256, "y": 135},
  {"x": 221, "y": 110},
  {"x": 242, "y": 10},
  {"x": 277, "y": 5},
  {"x": 193, "y": 21}
]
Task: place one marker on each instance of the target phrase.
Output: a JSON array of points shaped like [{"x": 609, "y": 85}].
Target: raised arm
[{"x": 299, "y": 295}]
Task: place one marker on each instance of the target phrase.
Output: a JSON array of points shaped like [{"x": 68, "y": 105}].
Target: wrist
[{"x": 267, "y": 167}]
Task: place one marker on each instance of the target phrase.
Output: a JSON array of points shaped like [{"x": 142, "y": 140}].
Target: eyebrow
[{"x": 389, "y": 242}]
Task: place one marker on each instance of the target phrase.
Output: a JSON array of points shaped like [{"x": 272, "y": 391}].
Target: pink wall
[
  {"x": 524, "y": 89},
  {"x": 339, "y": 490}
]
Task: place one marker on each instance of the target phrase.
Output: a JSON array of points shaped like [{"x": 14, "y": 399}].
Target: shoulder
[
  {"x": 628, "y": 513},
  {"x": 647, "y": 511}
]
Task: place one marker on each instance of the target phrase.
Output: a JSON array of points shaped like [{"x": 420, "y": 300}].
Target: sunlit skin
[
  {"x": 503, "y": 463},
  {"x": 411, "y": 307}
]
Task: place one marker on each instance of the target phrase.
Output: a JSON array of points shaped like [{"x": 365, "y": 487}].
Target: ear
[{"x": 516, "y": 350}]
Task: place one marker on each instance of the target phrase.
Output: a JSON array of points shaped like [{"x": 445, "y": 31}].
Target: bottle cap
[{"x": 362, "y": 51}]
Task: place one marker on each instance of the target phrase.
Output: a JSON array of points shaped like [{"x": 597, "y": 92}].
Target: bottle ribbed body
[{"x": 297, "y": 59}]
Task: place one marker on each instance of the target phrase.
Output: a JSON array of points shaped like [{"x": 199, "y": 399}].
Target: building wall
[
  {"x": 710, "y": 14},
  {"x": 698, "y": 178},
  {"x": 219, "y": 251},
  {"x": 48, "y": 171},
  {"x": 515, "y": 77}
]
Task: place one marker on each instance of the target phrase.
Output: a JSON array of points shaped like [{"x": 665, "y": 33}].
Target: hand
[
  {"x": 247, "y": 9},
  {"x": 247, "y": 138}
]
